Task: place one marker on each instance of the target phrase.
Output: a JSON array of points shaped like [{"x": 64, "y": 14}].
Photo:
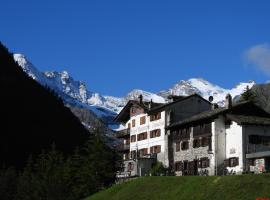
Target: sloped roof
[
  {"x": 246, "y": 108},
  {"x": 179, "y": 99},
  {"x": 124, "y": 115},
  {"x": 249, "y": 120}
]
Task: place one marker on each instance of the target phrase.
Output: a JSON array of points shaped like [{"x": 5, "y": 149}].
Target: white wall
[
  {"x": 149, "y": 142},
  {"x": 234, "y": 145}
]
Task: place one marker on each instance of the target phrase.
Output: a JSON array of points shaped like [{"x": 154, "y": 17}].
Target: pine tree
[
  {"x": 248, "y": 95},
  {"x": 8, "y": 183}
]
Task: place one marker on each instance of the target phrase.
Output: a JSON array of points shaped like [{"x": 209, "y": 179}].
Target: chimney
[
  {"x": 228, "y": 101},
  {"x": 150, "y": 104},
  {"x": 140, "y": 98}
]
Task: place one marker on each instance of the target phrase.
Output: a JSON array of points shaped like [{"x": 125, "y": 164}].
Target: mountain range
[{"x": 76, "y": 94}]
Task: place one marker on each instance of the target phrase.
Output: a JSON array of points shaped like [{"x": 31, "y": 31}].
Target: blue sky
[{"x": 116, "y": 46}]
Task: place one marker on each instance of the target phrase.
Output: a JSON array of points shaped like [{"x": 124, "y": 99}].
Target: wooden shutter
[
  {"x": 142, "y": 120},
  {"x": 145, "y": 135},
  {"x": 177, "y": 148},
  {"x": 158, "y": 149},
  {"x": 158, "y": 132}
]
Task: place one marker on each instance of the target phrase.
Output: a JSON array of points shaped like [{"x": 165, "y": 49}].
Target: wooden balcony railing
[
  {"x": 123, "y": 133},
  {"x": 122, "y": 147}
]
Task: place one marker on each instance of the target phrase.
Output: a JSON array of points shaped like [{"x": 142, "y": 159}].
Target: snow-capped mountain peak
[
  {"x": 76, "y": 93},
  {"x": 205, "y": 89}
]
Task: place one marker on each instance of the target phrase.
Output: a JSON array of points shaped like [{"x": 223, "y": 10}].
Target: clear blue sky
[{"x": 115, "y": 46}]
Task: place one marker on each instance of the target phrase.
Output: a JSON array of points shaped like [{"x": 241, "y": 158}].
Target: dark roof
[
  {"x": 124, "y": 115},
  {"x": 179, "y": 99},
  {"x": 249, "y": 120},
  {"x": 245, "y": 108}
]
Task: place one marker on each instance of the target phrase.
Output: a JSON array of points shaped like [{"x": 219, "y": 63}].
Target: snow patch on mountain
[
  {"x": 205, "y": 89},
  {"x": 106, "y": 107}
]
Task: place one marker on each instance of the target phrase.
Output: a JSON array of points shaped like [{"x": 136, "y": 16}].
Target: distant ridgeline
[{"x": 32, "y": 117}]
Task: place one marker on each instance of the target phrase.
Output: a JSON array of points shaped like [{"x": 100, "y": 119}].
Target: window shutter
[
  {"x": 159, "y": 133},
  {"x": 159, "y": 149}
]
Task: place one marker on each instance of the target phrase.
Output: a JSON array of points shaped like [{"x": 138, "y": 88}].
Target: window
[
  {"x": 196, "y": 143},
  {"x": 156, "y": 116},
  {"x": 133, "y": 138},
  {"x": 204, "y": 162},
  {"x": 155, "y": 133},
  {"x": 205, "y": 141},
  {"x": 185, "y": 145},
  {"x": 178, "y": 166},
  {"x": 127, "y": 141},
  {"x": 130, "y": 166},
  {"x": 142, "y": 120},
  {"x": 128, "y": 125},
  {"x": 142, "y": 136},
  {"x": 133, "y": 154},
  {"x": 177, "y": 147},
  {"x": 231, "y": 162},
  {"x": 133, "y": 123},
  {"x": 133, "y": 110},
  {"x": 143, "y": 152},
  {"x": 155, "y": 149}
]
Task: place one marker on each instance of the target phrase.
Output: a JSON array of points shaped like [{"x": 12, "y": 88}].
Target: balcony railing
[
  {"x": 202, "y": 130},
  {"x": 123, "y": 147},
  {"x": 123, "y": 133},
  {"x": 123, "y": 174},
  {"x": 255, "y": 148}
]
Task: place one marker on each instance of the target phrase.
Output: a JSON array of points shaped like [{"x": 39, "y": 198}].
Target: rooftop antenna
[{"x": 211, "y": 99}]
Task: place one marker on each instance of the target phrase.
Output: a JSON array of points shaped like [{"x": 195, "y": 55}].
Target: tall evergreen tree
[{"x": 248, "y": 95}]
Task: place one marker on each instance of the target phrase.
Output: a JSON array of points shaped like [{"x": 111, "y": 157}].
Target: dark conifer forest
[{"x": 45, "y": 151}]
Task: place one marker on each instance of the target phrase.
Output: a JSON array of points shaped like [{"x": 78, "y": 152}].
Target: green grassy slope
[{"x": 211, "y": 188}]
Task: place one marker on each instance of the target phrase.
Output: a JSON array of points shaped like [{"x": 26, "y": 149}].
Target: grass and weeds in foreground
[{"x": 242, "y": 187}]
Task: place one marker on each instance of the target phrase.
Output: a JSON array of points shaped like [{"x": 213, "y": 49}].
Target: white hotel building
[{"x": 145, "y": 138}]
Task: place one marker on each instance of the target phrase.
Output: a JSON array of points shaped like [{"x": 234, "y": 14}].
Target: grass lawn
[{"x": 242, "y": 187}]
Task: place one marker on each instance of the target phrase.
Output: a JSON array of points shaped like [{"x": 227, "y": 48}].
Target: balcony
[
  {"x": 205, "y": 129},
  {"x": 123, "y": 133},
  {"x": 123, "y": 174},
  {"x": 122, "y": 147},
  {"x": 255, "y": 148}
]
